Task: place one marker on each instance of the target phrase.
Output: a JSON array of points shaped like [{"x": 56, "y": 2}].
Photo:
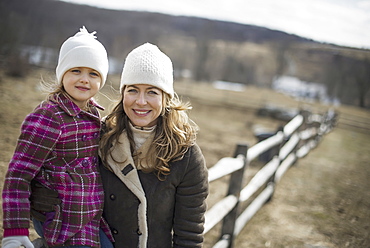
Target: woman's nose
[{"x": 141, "y": 100}]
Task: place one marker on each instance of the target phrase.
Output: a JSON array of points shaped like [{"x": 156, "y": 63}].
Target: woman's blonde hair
[{"x": 175, "y": 133}]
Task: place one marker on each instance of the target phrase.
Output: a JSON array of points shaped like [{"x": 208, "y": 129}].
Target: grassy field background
[{"x": 323, "y": 201}]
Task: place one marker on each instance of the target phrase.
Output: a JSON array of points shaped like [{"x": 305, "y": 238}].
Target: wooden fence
[{"x": 283, "y": 149}]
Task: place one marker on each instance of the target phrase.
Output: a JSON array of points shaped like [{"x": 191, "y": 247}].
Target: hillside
[
  {"x": 45, "y": 27},
  {"x": 204, "y": 50}
]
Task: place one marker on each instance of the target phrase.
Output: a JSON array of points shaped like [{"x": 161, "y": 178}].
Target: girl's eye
[
  {"x": 94, "y": 74},
  {"x": 75, "y": 70}
]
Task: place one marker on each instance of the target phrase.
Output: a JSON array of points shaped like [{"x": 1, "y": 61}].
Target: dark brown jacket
[{"x": 143, "y": 211}]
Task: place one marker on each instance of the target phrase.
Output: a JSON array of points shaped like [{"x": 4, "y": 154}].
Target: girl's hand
[
  {"x": 16, "y": 242},
  {"x": 42, "y": 200}
]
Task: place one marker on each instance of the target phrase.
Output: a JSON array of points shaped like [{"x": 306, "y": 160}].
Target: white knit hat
[
  {"x": 146, "y": 64},
  {"x": 83, "y": 50}
]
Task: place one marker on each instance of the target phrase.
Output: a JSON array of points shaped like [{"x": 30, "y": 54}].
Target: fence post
[
  {"x": 235, "y": 186},
  {"x": 272, "y": 179},
  {"x": 305, "y": 114}
]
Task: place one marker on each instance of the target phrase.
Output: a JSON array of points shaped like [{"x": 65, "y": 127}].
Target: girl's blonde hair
[
  {"x": 175, "y": 133},
  {"x": 53, "y": 89}
]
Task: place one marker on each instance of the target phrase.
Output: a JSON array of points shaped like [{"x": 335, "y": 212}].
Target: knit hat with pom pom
[
  {"x": 147, "y": 64},
  {"x": 83, "y": 50}
]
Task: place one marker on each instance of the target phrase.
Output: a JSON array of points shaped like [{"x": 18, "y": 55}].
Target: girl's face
[
  {"x": 81, "y": 83},
  {"x": 142, "y": 104}
]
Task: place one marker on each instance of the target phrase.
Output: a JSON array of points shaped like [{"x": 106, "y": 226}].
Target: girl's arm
[{"x": 39, "y": 133}]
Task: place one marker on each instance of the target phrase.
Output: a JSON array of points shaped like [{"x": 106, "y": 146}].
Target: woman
[{"x": 153, "y": 172}]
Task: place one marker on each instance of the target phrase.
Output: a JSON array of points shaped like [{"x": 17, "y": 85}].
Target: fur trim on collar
[{"x": 126, "y": 171}]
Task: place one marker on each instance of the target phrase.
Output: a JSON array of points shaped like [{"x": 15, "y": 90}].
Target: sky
[{"x": 341, "y": 22}]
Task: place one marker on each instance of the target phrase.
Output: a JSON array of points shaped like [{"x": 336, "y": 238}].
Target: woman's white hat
[
  {"x": 147, "y": 64},
  {"x": 83, "y": 50}
]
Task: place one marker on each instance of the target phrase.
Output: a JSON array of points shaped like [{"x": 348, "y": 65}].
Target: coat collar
[
  {"x": 122, "y": 165},
  {"x": 70, "y": 107},
  {"x": 122, "y": 156}
]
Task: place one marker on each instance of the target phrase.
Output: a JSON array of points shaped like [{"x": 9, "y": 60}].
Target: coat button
[
  {"x": 139, "y": 232},
  {"x": 112, "y": 197},
  {"x": 84, "y": 137},
  {"x": 85, "y": 162},
  {"x": 96, "y": 135},
  {"x": 95, "y": 159},
  {"x": 114, "y": 231}
]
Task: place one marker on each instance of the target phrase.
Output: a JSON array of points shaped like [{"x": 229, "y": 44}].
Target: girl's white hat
[
  {"x": 147, "y": 64},
  {"x": 83, "y": 50}
]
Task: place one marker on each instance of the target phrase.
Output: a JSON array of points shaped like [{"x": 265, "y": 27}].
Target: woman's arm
[{"x": 190, "y": 204}]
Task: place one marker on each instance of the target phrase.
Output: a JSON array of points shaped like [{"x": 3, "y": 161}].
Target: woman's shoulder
[
  {"x": 192, "y": 167},
  {"x": 193, "y": 157},
  {"x": 195, "y": 150}
]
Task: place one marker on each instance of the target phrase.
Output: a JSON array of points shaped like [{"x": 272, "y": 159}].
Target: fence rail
[{"x": 285, "y": 147}]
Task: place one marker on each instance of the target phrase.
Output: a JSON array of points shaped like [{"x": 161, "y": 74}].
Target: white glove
[{"x": 16, "y": 242}]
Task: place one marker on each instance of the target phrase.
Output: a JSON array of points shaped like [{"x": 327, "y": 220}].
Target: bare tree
[
  {"x": 361, "y": 76},
  {"x": 280, "y": 50}
]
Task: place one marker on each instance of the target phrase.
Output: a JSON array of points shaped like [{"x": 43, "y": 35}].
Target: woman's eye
[{"x": 153, "y": 92}]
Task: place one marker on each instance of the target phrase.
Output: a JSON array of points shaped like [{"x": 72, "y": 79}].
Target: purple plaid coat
[{"x": 58, "y": 148}]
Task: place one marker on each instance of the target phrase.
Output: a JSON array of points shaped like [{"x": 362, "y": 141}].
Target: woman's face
[{"x": 142, "y": 104}]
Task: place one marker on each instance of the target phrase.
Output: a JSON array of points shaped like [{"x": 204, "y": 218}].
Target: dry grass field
[{"x": 322, "y": 201}]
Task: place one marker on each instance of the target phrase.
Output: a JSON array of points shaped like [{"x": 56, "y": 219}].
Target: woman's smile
[{"x": 141, "y": 112}]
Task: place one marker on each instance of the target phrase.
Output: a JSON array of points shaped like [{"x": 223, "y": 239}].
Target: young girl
[{"x": 57, "y": 148}]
